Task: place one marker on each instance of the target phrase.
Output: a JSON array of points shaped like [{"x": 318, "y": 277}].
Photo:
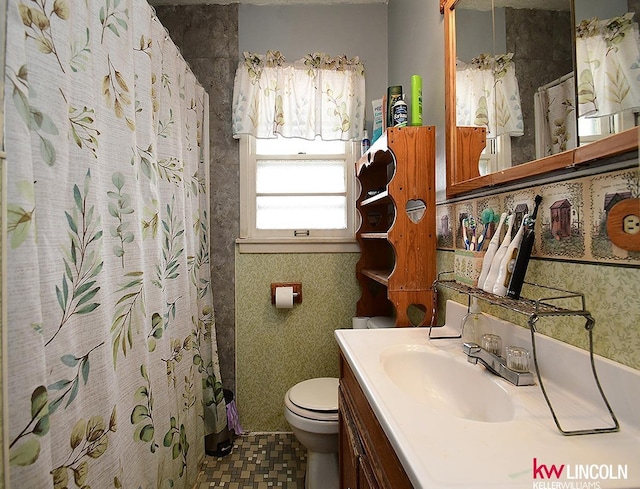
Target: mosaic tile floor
[{"x": 258, "y": 461}]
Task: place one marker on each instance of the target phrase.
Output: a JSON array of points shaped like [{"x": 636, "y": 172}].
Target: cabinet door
[
  {"x": 349, "y": 450},
  {"x": 366, "y": 476}
]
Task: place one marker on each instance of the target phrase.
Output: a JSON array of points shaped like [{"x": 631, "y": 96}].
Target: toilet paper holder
[{"x": 297, "y": 291}]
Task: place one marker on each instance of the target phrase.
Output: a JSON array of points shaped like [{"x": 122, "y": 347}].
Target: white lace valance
[{"x": 318, "y": 95}]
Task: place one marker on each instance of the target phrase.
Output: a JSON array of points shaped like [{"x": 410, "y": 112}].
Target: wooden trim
[
  {"x": 532, "y": 168},
  {"x": 447, "y": 5},
  {"x": 616, "y": 144}
]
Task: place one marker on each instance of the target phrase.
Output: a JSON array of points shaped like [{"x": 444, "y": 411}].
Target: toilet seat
[{"x": 315, "y": 399}]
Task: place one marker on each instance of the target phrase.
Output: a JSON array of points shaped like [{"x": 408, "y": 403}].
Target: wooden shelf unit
[{"x": 397, "y": 266}]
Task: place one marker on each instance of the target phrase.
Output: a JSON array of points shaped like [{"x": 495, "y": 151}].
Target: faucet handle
[
  {"x": 517, "y": 358},
  {"x": 492, "y": 343}
]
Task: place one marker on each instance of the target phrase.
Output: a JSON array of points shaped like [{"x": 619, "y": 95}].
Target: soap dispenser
[{"x": 474, "y": 324}]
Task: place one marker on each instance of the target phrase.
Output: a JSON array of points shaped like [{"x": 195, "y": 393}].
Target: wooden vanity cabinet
[{"x": 367, "y": 459}]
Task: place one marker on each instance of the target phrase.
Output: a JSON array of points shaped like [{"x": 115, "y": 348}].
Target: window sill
[{"x": 298, "y": 245}]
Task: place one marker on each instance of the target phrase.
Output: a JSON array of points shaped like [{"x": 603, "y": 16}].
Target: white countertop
[{"x": 441, "y": 450}]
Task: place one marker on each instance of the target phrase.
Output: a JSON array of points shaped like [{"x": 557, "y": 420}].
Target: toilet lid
[{"x": 316, "y": 394}]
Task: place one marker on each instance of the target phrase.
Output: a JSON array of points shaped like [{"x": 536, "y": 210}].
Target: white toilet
[{"x": 311, "y": 408}]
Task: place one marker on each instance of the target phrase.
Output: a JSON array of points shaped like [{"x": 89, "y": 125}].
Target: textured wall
[
  {"x": 416, "y": 46},
  {"x": 541, "y": 41},
  {"x": 278, "y": 348},
  {"x": 207, "y": 36}
]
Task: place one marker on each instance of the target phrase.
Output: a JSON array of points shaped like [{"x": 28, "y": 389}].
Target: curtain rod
[{"x": 555, "y": 82}]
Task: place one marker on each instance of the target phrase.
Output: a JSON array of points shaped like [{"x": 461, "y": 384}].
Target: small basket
[{"x": 467, "y": 266}]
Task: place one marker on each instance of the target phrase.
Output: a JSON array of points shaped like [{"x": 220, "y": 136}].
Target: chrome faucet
[{"x": 496, "y": 364}]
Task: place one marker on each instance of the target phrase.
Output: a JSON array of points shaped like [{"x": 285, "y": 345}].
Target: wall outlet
[
  {"x": 623, "y": 224},
  {"x": 631, "y": 224}
]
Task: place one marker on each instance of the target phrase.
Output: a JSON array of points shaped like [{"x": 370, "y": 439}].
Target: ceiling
[
  {"x": 529, "y": 4},
  {"x": 262, "y": 2},
  {"x": 469, "y": 4}
]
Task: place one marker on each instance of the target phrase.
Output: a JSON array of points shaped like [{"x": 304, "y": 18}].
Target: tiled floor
[{"x": 258, "y": 461}]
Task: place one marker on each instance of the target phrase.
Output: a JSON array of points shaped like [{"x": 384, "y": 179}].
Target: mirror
[
  {"x": 509, "y": 70},
  {"x": 607, "y": 67},
  {"x": 507, "y": 53}
]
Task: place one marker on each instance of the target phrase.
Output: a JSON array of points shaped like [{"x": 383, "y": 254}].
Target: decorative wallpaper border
[{"x": 571, "y": 221}]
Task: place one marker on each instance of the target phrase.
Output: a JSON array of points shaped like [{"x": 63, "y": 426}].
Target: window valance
[
  {"x": 318, "y": 95},
  {"x": 487, "y": 95},
  {"x": 608, "y": 67}
]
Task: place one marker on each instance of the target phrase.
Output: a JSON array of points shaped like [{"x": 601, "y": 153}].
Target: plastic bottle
[
  {"x": 366, "y": 143},
  {"x": 491, "y": 252},
  {"x": 473, "y": 323},
  {"x": 509, "y": 261},
  {"x": 522, "y": 261},
  {"x": 416, "y": 100},
  {"x": 400, "y": 115},
  {"x": 497, "y": 259},
  {"x": 394, "y": 93}
]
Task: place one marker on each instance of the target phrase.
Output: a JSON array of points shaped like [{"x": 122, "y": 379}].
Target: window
[
  {"x": 296, "y": 195},
  {"x": 593, "y": 128}
]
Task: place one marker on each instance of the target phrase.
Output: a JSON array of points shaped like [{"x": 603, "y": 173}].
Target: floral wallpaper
[
  {"x": 277, "y": 348},
  {"x": 572, "y": 252}
]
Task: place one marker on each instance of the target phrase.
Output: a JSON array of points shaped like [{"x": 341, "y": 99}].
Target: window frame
[{"x": 253, "y": 240}]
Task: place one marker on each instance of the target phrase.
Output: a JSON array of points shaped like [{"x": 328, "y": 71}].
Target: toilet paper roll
[
  {"x": 284, "y": 297},
  {"x": 359, "y": 322}
]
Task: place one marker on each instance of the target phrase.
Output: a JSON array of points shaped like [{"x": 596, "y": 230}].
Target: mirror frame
[{"x": 462, "y": 152}]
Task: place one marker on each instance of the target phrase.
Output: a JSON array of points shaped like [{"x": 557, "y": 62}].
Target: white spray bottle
[
  {"x": 497, "y": 258},
  {"x": 491, "y": 251},
  {"x": 509, "y": 261}
]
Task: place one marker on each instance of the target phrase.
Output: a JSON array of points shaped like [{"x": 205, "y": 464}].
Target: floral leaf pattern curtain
[
  {"x": 315, "y": 96},
  {"x": 608, "y": 66},
  {"x": 112, "y": 354},
  {"x": 487, "y": 95}
]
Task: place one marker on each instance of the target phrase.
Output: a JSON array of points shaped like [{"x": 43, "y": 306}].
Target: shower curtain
[
  {"x": 113, "y": 370},
  {"x": 554, "y": 107}
]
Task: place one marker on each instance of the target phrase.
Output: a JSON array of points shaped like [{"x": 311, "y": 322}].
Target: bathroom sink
[{"x": 446, "y": 383}]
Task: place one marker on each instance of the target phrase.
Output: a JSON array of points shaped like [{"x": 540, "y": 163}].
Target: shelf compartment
[
  {"x": 376, "y": 218},
  {"x": 373, "y": 235},
  {"x": 380, "y": 276},
  {"x": 375, "y": 199}
]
